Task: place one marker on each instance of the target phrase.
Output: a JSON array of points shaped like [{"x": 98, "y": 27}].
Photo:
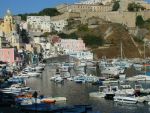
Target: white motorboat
[
  {"x": 125, "y": 99},
  {"x": 38, "y": 69},
  {"x": 111, "y": 70},
  {"x": 66, "y": 75},
  {"x": 59, "y": 99},
  {"x": 91, "y": 78},
  {"x": 33, "y": 74},
  {"x": 98, "y": 94},
  {"x": 80, "y": 79},
  {"x": 139, "y": 78},
  {"x": 23, "y": 76},
  {"x": 16, "y": 88},
  {"x": 59, "y": 79},
  {"x": 70, "y": 78},
  {"x": 30, "y": 101},
  {"x": 15, "y": 80},
  {"x": 55, "y": 76},
  {"x": 125, "y": 90}
]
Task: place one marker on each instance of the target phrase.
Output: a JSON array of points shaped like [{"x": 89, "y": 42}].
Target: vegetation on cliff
[
  {"x": 68, "y": 36},
  {"x": 135, "y": 7},
  {"x": 116, "y": 6},
  {"x": 139, "y": 21},
  {"x": 90, "y": 37},
  {"x": 24, "y": 36},
  {"x": 44, "y": 12}
]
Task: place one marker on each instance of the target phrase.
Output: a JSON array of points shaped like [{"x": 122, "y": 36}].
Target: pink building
[
  {"x": 7, "y": 55},
  {"x": 72, "y": 44}
]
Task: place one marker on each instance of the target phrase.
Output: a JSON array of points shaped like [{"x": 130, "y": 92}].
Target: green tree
[
  {"x": 49, "y": 12},
  {"x": 46, "y": 11},
  {"x": 68, "y": 36},
  {"x": 24, "y": 36},
  {"x": 116, "y": 6},
  {"x": 82, "y": 27},
  {"x": 139, "y": 21},
  {"x": 135, "y": 7},
  {"x": 93, "y": 41}
]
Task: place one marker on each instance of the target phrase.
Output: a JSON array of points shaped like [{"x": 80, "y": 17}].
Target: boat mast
[
  {"x": 121, "y": 49},
  {"x": 144, "y": 58},
  {"x": 144, "y": 49}
]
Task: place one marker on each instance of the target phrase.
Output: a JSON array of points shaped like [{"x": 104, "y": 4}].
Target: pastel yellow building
[{"x": 8, "y": 25}]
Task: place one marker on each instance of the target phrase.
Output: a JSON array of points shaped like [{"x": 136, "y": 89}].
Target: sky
[{"x": 29, "y": 6}]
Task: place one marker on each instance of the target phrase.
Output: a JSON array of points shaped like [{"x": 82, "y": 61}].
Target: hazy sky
[{"x": 28, "y": 6}]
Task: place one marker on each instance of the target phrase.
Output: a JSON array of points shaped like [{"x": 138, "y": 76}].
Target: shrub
[
  {"x": 116, "y": 6},
  {"x": 139, "y": 21}
]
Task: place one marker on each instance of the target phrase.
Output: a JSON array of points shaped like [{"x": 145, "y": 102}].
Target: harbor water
[{"x": 79, "y": 94}]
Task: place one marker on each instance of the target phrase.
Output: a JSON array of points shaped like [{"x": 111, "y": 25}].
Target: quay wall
[{"x": 60, "y": 59}]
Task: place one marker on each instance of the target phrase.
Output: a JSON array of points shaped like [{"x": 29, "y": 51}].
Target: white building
[
  {"x": 75, "y": 48},
  {"x": 82, "y": 55},
  {"x": 39, "y": 23},
  {"x": 24, "y": 25},
  {"x": 104, "y": 2},
  {"x": 59, "y": 25},
  {"x": 38, "y": 39}
]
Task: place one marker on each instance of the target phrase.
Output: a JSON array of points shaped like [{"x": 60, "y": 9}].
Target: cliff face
[{"x": 114, "y": 35}]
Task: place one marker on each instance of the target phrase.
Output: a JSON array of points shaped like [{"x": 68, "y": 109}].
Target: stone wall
[
  {"x": 125, "y": 18},
  {"x": 65, "y": 16},
  {"x": 104, "y": 11},
  {"x": 144, "y": 14}
]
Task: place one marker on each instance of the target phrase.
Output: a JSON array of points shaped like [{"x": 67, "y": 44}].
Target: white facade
[
  {"x": 39, "y": 40},
  {"x": 24, "y": 25},
  {"x": 46, "y": 49},
  {"x": 95, "y": 2},
  {"x": 39, "y": 23},
  {"x": 59, "y": 25},
  {"x": 82, "y": 55}
]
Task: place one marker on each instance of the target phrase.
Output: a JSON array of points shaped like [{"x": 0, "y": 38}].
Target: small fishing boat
[
  {"x": 48, "y": 100},
  {"x": 33, "y": 74}
]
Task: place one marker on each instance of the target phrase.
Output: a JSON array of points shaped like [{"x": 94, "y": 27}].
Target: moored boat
[{"x": 125, "y": 99}]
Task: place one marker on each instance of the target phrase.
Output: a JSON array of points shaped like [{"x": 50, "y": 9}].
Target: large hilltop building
[
  {"x": 103, "y": 9},
  {"x": 104, "y": 2}
]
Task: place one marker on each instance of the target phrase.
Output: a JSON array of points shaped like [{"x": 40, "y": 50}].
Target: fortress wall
[
  {"x": 84, "y": 8},
  {"x": 126, "y": 18},
  {"x": 65, "y": 16},
  {"x": 144, "y": 14}
]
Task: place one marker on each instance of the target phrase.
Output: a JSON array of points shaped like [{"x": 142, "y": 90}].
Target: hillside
[{"x": 109, "y": 37}]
